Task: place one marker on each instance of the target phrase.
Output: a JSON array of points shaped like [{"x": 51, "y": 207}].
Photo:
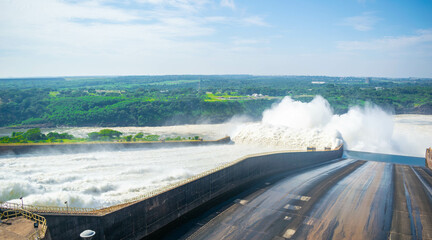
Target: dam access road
[{"x": 341, "y": 199}]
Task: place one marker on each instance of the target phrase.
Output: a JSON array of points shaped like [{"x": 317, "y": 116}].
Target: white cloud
[
  {"x": 54, "y": 37},
  {"x": 388, "y": 43},
  {"x": 37, "y": 11},
  {"x": 364, "y": 22},
  {"x": 218, "y": 19},
  {"x": 41, "y": 30},
  {"x": 245, "y": 41},
  {"x": 228, "y": 3},
  {"x": 188, "y": 5},
  {"x": 255, "y": 20}
]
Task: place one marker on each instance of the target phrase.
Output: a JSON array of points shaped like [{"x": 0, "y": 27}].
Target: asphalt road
[{"x": 347, "y": 199}]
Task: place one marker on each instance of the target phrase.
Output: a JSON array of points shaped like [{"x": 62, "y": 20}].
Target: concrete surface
[
  {"x": 348, "y": 199},
  {"x": 18, "y": 228}
]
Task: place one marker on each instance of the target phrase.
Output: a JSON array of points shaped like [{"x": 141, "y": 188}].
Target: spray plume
[{"x": 293, "y": 124}]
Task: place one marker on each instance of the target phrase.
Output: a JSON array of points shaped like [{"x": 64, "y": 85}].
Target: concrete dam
[{"x": 280, "y": 195}]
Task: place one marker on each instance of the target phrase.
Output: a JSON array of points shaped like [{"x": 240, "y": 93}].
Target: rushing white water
[
  {"x": 106, "y": 178},
  {"x": 296, "y": 125},
  {"x": 292, "y": 125},
  {"x": 98, "y": 179}
]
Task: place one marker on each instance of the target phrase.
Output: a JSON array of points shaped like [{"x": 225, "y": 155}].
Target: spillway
[
  {"x": 343, "y": 199},
  {"x": 105, "y": 178}
]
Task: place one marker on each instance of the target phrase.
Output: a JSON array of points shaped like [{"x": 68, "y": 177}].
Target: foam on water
[
  {"x": 292, "y": 125},
  {"x": 100, "y": 179},
  {"x": 297, "y": 125},
  {"x": 285, "y": 137}
]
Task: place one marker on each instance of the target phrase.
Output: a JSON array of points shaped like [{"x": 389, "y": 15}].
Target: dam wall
[
  {"x": 428, "y": 160},
  {"x": 145, "y": 216}
]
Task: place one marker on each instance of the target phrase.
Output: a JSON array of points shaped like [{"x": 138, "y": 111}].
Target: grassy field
[
  {"x": 54, "y": 93},
  {"x": 234, "y": 96},
  {"x": 176, "y": 82}
]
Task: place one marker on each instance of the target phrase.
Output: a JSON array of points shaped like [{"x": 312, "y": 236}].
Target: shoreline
[{"x": 23, "y": 148}]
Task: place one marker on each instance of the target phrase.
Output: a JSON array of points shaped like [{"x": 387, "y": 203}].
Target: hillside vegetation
[
  {"x": 34, "y": 135},
  {"x": 170, "y": 100}
]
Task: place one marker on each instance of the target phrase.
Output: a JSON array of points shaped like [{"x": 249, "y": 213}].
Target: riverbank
[{"x": 24, "y": 148}]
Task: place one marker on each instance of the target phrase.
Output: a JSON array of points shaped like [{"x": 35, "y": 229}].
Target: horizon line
[{"x": 254, "y": 75}]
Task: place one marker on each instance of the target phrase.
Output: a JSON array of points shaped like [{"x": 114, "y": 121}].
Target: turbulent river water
[
  {"x": 105, "y": 178},
  {"x": 98, "y": 179}
]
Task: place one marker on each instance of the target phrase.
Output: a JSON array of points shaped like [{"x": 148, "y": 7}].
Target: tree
[
  {"x": 34, "y": 134},
  {"x": 109, "y": 133},
  {"x": 139, "y": 135},
  {"x": 151, "y": 138},
  {"x": 56, "y": 135},
  {"x": 104, "y": 135},
  {"x": 16, "y": 134},
  {"x": 93, "y": 135}
]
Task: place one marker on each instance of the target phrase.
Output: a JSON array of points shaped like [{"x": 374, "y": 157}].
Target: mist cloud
[{"x": 296, "y": 125}]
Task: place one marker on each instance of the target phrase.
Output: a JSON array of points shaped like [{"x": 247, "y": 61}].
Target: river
[{"x": 98, "y": 179}]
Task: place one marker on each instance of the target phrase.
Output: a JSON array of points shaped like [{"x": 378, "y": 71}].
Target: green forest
[
  {"x": 35, "y": 135},
  {"x": 182, "y": 99}
]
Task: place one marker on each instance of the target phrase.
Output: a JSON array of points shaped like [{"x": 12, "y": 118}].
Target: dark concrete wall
[{"x": 147, "y": 216}]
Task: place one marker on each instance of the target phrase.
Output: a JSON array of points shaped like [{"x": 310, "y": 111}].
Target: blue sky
[{"x": 154, "y": 37}]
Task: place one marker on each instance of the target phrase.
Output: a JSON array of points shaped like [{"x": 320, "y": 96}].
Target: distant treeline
[
  {"x": 170, "y": 100},
  {"x": 35, "y": 135}
]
